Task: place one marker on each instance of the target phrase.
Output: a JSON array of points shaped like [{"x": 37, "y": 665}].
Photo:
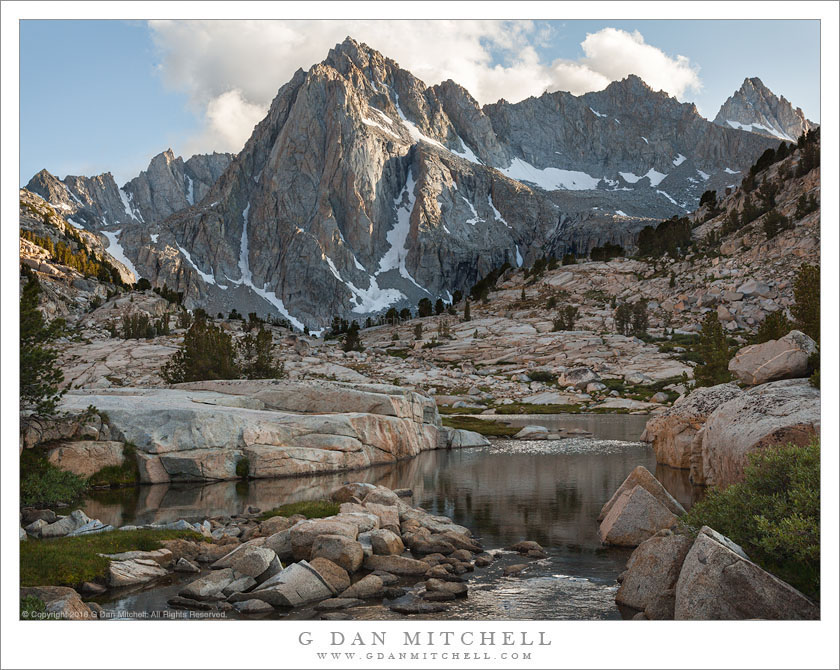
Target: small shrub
[
  {"x": 31, "y": 605},
  {"x": 243, "y": 467},
  {"x": 543, "y": 376},
  {"x": 41, "y": 483},
  {"x": 774, "y": 514},
  {"x": 113, "y": 476},
  {"x": 774, "y": 326}
]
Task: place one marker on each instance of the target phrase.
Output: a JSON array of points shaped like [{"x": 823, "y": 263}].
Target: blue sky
[{"x": 102, "y": 96}]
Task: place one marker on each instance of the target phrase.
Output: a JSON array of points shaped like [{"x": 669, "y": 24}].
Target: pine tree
[
  {"x": 418, "y": 331},
  {"x": 439, "y": 307},
  {"x": 352, "y": 342},
  {"x": 806, "y": 294},
  {"x": 39, "y": 374},
  {"x": 640, "y": 318},
  {"x": 424, "y": 307},
  {"x": 467, "y": 316},
  {"x": 624, "y": 319},
  {"x": 256, "y": 360},
  {"x": 714, "y": 352},
  {"x": 207, "y": 353}
]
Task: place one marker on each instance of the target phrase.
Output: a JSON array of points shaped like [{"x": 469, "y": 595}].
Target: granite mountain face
[
  {"x": 755, "y": 108},
  {"x": 363, "y": 189},
  {"x": 168, "y": 185}
]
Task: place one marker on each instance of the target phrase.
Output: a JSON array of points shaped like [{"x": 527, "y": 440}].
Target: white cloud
[
  {"x": 231, "y": 70},
  {"x": 612, "y": 54}
]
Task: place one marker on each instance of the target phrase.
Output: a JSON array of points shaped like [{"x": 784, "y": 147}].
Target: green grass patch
[
  {"x": 115, "y": 476},
  {"x": 69, "y": 561},
  {"x": 41, "y": 483},
  {"x": 311, "y": 509},
  {"x": 528, "y": 408},
  {"x": 30, "y": 605},
  {"x": 486, "y": 427},
  {"x": 461, "y": 410},
  {"x": 243, "y": 467},
  {"x": 397, "y": 353},
  {"x": 774, "y": 514}
]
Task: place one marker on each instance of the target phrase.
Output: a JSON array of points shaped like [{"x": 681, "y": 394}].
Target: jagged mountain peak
[
  {"x": 755, "y": 108},
  {"x": 364, "y": 189}
]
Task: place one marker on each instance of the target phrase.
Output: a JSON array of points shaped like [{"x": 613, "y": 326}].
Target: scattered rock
[
  {"x": 61, "y": 602},
  {"x": 211, "y": 586},
  {"x": 634, "y": 517},
  {"x": 781, "y": 412},
  {"x": 514, "y": 570},
  {"x": 184, "y": 565},
  {"x": 341, "y": 550},
  {"x": 386, "y": 543},
  {"x": 418, "y": 607},
  {"x": 641, "y": 476},
  {"x": 253, "y": 606},
  {"x": 718, "y": 584},
  {"x": 673, "y": 431},
  {"x": 785, "y": 358},
  {"x": 333, "y": 574},
  {"x": 332, "y": 604},
  {"x": 396, "y": 565},
  {"x": 367, "y": 587},
  {"x": 652, "y": 569},
  {"x": 296, "y": 585},
  {"x": 532, "y": 433}
]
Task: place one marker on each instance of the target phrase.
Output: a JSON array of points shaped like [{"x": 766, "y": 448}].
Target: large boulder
[
  {"x": 641, "y": 476},
  {"x": 86, "y": 457},
  {"x": 717, "y": 583},
  {"x": 76, "y": 519},
  {"x": 255, "y": 561},
  {"x": 239, "y": 551},
  {"x": 635, "y": 517},
  {"x": 201, "y": 431},
  {"x": 386, "y": 543},
  {"x": 782, "y": 412},
  {"x": 348, "y": 492},
  {"x": 370, "y": 586},
  {"x": 785, "y": 358},
  {"x": 580, "y": 378},
  {"x": 673, "y": 431},
  {"x": 61, "y": 602},
  {"x": 303, "y": 534},
  {"x": 298, "y": 584},
  {"x": 652, "y": 571},
  {"x": 388, "y": 515},
  {"x": 333, "y": 574},
  {"x": 532, "y": 433},
  {"x": 211, "y": 586},
  {"x": 458, "y": 438},
  {"x": 341, "y": 550},
  {"x": 397, "y": 565}
]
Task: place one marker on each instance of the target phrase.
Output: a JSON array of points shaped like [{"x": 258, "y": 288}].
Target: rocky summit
[
  {"x": 755, "y": 108},
  {"x": 402, "y": 191}
]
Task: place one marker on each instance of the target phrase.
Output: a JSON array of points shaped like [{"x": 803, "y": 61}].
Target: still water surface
[{"x": 549, "y": 491}]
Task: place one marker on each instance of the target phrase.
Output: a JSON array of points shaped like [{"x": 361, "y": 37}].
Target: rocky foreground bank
[
  {"x": 377, "y": 549},
  {"x": 674, "y": 575}
]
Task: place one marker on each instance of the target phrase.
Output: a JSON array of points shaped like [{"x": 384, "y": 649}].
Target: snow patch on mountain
[
  {"x": 550, "y": 179},
  {"x": 116, "y": 250},
  {"x": 207, "y": 278}
]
